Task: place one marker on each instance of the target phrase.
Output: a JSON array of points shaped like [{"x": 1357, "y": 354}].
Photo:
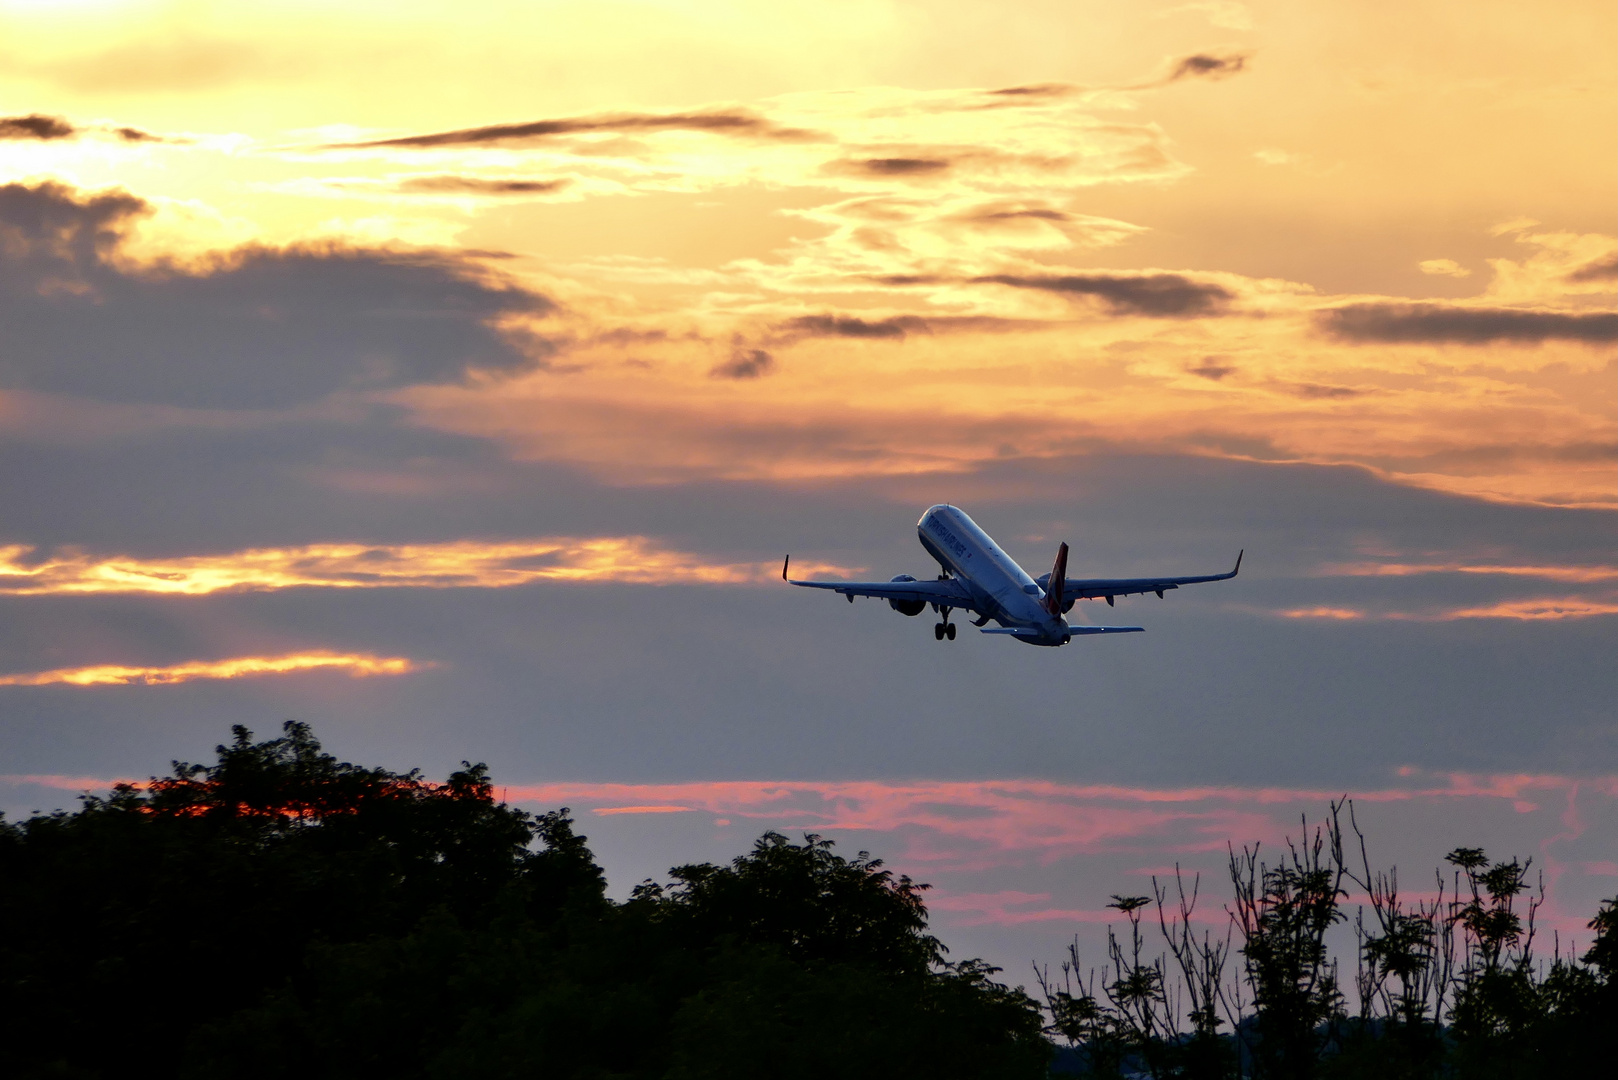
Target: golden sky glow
[
  {"x": 460, "y": 564},
  {"x": 233, "y": 668},
  {"x": 917, "y": 238}
]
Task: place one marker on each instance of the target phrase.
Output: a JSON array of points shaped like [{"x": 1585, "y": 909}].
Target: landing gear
[
  {"x": 945, "y": 629},
  {"x": 949, "y": 631}
]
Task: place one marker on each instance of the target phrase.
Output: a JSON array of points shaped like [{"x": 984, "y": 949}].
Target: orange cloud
[
  {"x": 1039, "y": 333},
  {"x": 1534, "y": 609},
  {"x": 1000, "y": 357},
  {"x": 357, "y": 665},
  {"x": 1555, "y": 573},
  {"x": 1323, "y": 613},
  {"x": 58, "y": 782},
  {"x": 855, "y": 195},
  {"x": 457, "y": 564},
  {"x": 1571, "y": 607}
]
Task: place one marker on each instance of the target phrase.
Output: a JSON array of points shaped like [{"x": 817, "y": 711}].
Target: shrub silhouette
[{"x": 1448, "y": 987}]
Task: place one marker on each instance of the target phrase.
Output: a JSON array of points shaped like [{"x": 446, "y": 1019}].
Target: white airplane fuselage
[{"x": 1003, "y": 590}]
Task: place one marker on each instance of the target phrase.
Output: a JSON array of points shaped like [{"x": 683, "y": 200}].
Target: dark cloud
[
  {"x": 1207, "y": 66},
  {"x": 1034, "y": 90},
  {"x": 1400, "y": 322},
  {"x": 933, "y": 161},
  {"x": 897, "y": 327},
  {"x": 1601, "y": 270},
  {"x": 1159, "y": 295},
  {"x": 718, "y": 121},
  {"x": 628, "y": 335},
  {"x": 1319, "y": 391},
  {"x": 854, "y": 327},
  {"x": 897, "y": 166},
  {"x": 1501, "y": 457},
  {"x": 1016, "y": 215},
  {"x": 47, "y": 128},
  {"x": 910, "y": 279},
  {"x": 1213, "y": 367},
  {"x": 129, "y": 134},
  {"x": 745, "y": 364},
  {"x": 263, "y": 328},
  {"x": 36, "y": 126},
  {"x": 477, "y": 185},
  {"x": 1196, "y": 66}
]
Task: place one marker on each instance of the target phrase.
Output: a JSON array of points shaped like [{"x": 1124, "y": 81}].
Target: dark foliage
[
  {"x": 1447, "y": 987},
  {"x": 281, "y": 913}
]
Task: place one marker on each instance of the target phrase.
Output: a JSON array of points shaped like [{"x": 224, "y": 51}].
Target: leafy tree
[
  {"x": 809, "y": 902},
  {"x": 280, "y": 912},
  {"x": 153, "y": 909}
]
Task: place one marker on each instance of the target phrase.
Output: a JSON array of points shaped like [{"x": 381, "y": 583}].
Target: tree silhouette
[{"x": 280, "y": 912}]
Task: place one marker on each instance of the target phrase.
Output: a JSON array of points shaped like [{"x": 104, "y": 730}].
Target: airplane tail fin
[{"x": 1058, "y": 582}]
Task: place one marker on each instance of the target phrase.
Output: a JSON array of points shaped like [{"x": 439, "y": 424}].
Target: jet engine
[{"x": 907, "y": 607}]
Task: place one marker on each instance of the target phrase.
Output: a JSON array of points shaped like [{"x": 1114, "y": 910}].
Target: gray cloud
[
  {"x": 740, "y": 122},
  {"x": 1601, "y": 270},
  {"x": 1207, "y": 66},
  {"x": 477, "y": 185},
  {"x": 263, "y": 328},
  {"x": 1403, "y": 322},
  {"x": 1044, "y": 214},
  {"x": 1157, "y": 295},
  {"x": 895, "y": 166},
  {"x": 1196, "y": 66},
  {"x": 129, "y": 134},
  {"x": 36, "y": 126},
  {"x": 897, "y": 327},
  {"x": 48, "y": 128},
  {"x": 745, "y": 364},
  {"x": 1213, "y": 367},
  {"x": 1035, "y": 90},
  {"x": 854, "y": 327},
  {"x": 1325, "y": 391}
]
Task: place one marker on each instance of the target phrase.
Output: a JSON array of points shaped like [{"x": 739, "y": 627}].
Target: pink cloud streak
[
  {"x": 965, "y": 822},
  {"x": 965, "y": 834}
]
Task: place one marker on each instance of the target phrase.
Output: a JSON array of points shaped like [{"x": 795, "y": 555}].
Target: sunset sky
[{"x": 454, "y": 377}]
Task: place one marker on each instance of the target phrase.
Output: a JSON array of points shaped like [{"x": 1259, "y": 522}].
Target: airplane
[{"x": 981, "y": 578}]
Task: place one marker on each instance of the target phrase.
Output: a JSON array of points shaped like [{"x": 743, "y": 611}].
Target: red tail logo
[{"x": 1058, "y": 582}]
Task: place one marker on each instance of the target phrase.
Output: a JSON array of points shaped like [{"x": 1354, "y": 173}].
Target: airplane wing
[
  {"x": 1109, "y": 588},
  {"x": 1074, "y": 631},
  {"x": 949, "y": 592}
]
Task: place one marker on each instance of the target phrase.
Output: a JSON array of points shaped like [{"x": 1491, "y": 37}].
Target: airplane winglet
[
  {"x": 785, "y": 563},
  {"x": 1238, "y": 569}
]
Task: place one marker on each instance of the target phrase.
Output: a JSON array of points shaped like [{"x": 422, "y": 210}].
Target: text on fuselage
[{"x": 949, "y": 539}]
